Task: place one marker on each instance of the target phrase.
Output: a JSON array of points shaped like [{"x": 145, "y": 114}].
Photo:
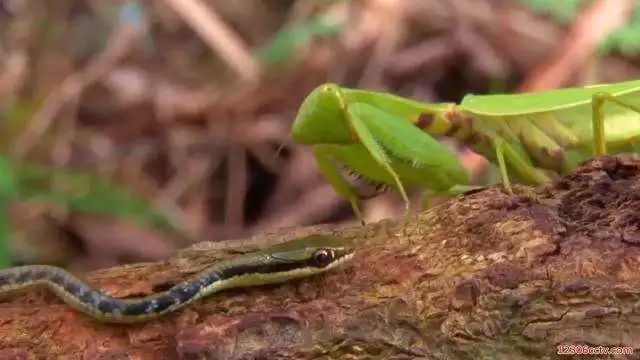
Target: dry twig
[
  {"x": 206, "y": 22},
  {"x": 589, "y": 28},
  {"x": 119, "y": 45}
]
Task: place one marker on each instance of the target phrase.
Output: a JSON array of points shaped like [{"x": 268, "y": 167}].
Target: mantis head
[{"x": 321, "y": 117}]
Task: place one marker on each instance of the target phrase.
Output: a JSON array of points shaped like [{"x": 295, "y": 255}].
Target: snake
[{"x": 298, "y": 258}]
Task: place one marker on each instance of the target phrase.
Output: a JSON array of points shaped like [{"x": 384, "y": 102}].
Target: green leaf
[
  {"x": 288, "y": 39},
  {"x": 624, "y": 40},
  {"x": 562, "y": 11},
  {"x": 82, "y": 191}
]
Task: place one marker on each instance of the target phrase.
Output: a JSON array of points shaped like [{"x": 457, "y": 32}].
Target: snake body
[{"x": 295, "y": 259}]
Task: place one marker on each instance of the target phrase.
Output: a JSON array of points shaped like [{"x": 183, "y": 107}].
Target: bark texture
[{"x": 484, "y": 276}]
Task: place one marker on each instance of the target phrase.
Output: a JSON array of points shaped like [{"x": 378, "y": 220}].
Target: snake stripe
[{"x": 296, "y": 259}]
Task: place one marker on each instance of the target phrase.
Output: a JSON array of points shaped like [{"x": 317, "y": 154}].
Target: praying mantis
[{"x": 389, "y": 140}]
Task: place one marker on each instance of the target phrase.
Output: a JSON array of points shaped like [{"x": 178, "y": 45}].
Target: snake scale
[{"x": 298, "y": 258}]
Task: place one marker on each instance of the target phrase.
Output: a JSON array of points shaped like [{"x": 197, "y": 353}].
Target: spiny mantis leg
[
  {"x": 354, "y": 115},
  {"x": 408, "y": 144},
  {"x": 504, "y": 153},
  {"x": 597, "y": 116},
  {"x": 336, "y": 180}
]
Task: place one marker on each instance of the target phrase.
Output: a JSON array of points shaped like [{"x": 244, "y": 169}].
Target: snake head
[{"x": 314, "y": 251}]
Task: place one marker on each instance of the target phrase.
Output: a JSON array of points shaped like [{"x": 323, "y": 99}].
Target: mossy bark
[{"x": 483, "y": 276}]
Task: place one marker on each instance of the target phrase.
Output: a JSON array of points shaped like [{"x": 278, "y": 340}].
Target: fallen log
[{"x": 484, "y": 276}]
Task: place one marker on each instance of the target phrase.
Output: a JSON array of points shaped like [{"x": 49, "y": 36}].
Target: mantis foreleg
[
  {"x": 386, "y": 135},
  {"x": 357, "y": 115},
  {"x": 335, "y": 179}
]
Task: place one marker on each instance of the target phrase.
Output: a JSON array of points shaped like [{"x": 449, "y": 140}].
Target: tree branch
[{"x": 483, "y": 276}]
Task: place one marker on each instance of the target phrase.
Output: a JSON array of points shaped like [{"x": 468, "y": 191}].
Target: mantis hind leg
[
  {"x": 499, "y": 146},
  {"x": 597, "y": 116},
  {"x": 336, "y": 180}
]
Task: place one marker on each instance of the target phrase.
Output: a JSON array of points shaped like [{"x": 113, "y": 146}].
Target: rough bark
[{"x": 484, "y": 276}]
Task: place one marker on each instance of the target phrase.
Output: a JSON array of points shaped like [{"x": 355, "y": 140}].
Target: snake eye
[{"x": 322, "y": 257}]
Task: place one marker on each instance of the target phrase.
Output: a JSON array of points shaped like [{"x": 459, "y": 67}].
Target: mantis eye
[{"x": 322, "y": 257}]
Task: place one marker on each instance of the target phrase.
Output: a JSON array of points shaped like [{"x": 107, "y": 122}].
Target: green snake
[{"x": 277, "y": 264}]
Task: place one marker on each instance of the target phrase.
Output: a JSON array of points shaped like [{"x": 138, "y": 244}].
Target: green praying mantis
[{"x": 389, "y": 140}]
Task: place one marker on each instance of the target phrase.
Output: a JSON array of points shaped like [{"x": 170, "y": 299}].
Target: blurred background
[{"x": 131, "y": 129}]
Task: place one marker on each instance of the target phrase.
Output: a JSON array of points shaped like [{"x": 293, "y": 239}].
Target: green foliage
[
  {"x": 6, "y": 187},
  {"x": 562, "y": 11},
  {"x": 624, "y": 39},
  {"x": 78, "y": 191},
  {"x": 5, "y": 258},
  {"x": 288, "y": 39}
]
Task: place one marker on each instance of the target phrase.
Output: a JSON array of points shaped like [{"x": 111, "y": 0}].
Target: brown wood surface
[{"x": 484, "y": 276}]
